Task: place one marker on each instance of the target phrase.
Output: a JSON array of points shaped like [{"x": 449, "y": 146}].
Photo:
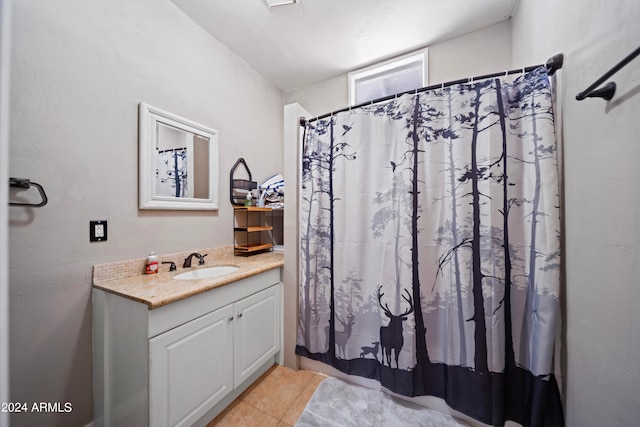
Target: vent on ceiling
[{"x": 274, "y": 3}]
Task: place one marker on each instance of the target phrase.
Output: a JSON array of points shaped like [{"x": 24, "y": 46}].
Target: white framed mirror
[{"x": 178, "y": 162}]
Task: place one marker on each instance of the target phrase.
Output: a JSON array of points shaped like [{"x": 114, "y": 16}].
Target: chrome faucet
[{"x": 187, "y": 260}]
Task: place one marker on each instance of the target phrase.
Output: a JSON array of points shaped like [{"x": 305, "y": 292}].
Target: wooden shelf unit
[{"x": 250, "y": 222}]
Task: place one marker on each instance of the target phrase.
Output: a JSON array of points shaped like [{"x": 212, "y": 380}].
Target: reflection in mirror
[
  {"x": 182, "y": 169},
  {"x": 178, "y": 162}
]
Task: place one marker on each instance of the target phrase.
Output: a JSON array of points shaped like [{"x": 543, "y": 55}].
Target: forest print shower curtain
[{"x": 430, "y": 247}]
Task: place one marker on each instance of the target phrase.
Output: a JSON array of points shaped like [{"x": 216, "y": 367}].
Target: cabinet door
[
  {"x": 190, "y": 369},
  {"x": 256, "y": 332}
]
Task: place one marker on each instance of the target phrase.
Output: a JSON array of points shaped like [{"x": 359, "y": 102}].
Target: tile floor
[{"x": 276, "y": 399}]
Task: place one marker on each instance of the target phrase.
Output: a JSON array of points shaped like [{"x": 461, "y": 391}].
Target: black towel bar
[{"x": 607, "y": 91}]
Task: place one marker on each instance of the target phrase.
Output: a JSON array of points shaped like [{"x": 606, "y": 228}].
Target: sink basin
[{"x": 206, "y": 273}]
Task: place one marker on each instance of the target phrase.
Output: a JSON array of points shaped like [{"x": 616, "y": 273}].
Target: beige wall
[
  {"x": 480, "y": 52},
  {"x": 79, "y": 70},
  {"x": 601, "y": 200}
]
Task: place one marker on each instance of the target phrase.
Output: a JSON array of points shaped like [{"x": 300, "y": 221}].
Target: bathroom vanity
[{"x": 173, "y": 352}]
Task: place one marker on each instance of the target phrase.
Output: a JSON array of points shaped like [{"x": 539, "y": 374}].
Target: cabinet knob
[
  {"x": 231, "y": 319},
  {"x": 239, "y": 315}
]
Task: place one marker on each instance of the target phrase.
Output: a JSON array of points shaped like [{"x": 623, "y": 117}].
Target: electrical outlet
[{"x": 97, "y": 231}]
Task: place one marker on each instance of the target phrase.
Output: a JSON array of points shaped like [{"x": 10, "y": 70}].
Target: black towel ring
[{"x": 26, "y": 183}]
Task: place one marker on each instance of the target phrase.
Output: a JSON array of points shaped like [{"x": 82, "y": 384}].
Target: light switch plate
[{"x": 98, "y": 231}]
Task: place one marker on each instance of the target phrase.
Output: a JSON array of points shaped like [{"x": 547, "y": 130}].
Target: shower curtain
[{"x": 430, "y": 247}]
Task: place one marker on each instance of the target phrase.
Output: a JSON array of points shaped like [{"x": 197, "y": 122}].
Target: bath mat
[{"x": 338, "y": 403}]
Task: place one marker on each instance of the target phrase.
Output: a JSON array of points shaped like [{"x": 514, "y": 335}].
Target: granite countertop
[{"x": 157, "y": 290}]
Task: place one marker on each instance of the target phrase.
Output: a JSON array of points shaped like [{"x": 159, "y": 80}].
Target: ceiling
[{"x": 303, "y": 43}]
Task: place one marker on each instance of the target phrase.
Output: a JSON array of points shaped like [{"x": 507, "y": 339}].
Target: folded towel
[
  {"x": 272, "y": 190},
  {"x": 274, "y": 185}
]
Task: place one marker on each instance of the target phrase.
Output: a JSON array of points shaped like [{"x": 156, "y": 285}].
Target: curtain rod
[
  {"x": 553, "y": 64},
  {"x": 172, "y": 149}
]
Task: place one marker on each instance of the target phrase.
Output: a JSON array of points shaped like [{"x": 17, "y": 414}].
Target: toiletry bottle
[
  {"x": 152, "y": 264},
  {"x": 260, "y": 202},
  {"x": 249, "y": 200}
]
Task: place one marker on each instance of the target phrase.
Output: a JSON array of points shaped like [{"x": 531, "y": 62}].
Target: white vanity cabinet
[{"x": 181, "y": 364}]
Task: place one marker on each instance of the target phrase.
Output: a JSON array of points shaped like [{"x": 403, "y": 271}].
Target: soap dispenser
[{"x": 152, "y": 264}]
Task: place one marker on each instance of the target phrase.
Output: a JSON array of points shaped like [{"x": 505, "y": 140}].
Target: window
[{"x": 397, "y": 75}]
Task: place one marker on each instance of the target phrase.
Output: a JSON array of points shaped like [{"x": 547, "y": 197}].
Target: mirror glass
[{"x": 178, "y": 162}]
